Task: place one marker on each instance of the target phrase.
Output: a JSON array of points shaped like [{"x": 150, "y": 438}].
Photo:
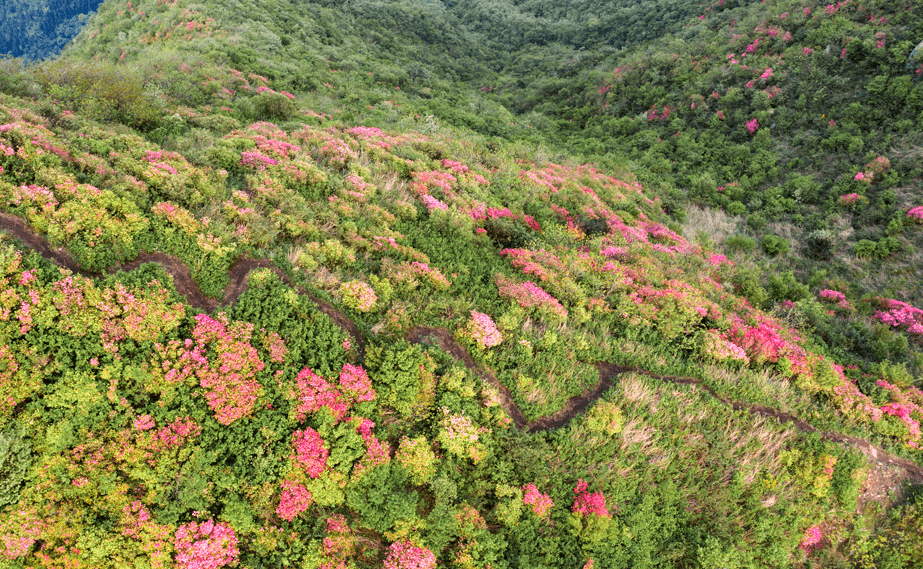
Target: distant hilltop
[{"x": 33, "y": 30}]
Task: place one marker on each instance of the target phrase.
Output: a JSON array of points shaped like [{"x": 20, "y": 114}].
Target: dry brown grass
[
  {"x": 713, "y": 223},
  {"x": 637, "y": 392},
  {"x": 758, "y": 446},
  {"x": 635, "y": 432}
]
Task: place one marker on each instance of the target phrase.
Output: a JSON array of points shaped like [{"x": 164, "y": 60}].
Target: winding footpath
[{"x": 441, "y": 337}]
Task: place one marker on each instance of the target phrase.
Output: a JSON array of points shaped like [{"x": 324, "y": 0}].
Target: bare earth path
[{"x": 884, "y": 464}]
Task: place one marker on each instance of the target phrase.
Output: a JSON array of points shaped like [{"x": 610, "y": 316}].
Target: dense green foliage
[{"x": 413, "y": 383}]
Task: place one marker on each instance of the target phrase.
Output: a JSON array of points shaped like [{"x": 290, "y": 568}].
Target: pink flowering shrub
[
  {"x": 310, "y": 451},
  {"x": 718, "y": 347},
  {"x": 907, "y": 406},
  {"x": 587, "y": 504},
  {"x": 17, "y": 537},
  {"x": 358, "y": 295},
  {"x": 752, "y": 126},
  {"x": 339, "y": 543},
  {"x": 295, "y": 499},
  {"x": 849, "y": 199},
  {"x": 355, "y": 383},
  {"x": 717, "y": 260},
  {"x": 432, "y": 203},
  {"x": 540, "y": 503},
  {"x": 313, "y": 393},
  {"x": 408, "y": 276},
  {"x": 528, "y": 295},
  {"x": 228, "y": 375},
  {"x": 406, "y": 555},
  {"x": 835, "y": 296},
  {"x": 481, "y": 330},
  {"x": 916, "y": 213},
  {"x": 901, "y": 315},
  {"x": 812, "y": 538},
  {"x": 377, "y": 453},
  {"x": 206, "y": 545}
]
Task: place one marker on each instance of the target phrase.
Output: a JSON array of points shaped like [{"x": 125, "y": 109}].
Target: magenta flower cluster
[
  {"x": 529, "y": 294},
  {"x": 358, "y": 296},
  {"x": 231, "y": 390},
  {"x": 406, "y": 555},
  {"x": 752, "y": 126},
  {"x": 295, "y": 499},
  {"x": 540, "y": 503},
  {"x": 901, "y": 315},
  {"x": 586, "y": 503},
  {"x": 482, "y": 330},
  {"x": 356, "y": 384},
  {"x": 835, "y": 296},
  {"x": 812, "y": 538},
  {"x": 206, "y": 545},
  {"x": 256, "y": 160},
  {"x": 310, "y": 451},
  {"x": 916, "y": 213},
  {"x": 313, "y": 393}
]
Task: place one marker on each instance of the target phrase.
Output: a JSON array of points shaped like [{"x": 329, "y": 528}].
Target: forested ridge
[{"x": 417, "y": 284}]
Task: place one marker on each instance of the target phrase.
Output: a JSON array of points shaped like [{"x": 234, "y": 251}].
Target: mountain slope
[{"x": 253, "y": 321}]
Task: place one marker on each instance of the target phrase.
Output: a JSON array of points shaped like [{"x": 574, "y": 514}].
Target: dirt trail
[
  {"x": 608, "y": 372},
  {"x": 182, "y": 276}
]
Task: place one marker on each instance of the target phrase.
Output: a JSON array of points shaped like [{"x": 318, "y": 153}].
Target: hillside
[{"x": 283, "y": 289}]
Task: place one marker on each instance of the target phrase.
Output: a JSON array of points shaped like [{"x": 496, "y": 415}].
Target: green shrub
[
  {"x": 756, "y": 221},
  {"x": 865, "y": 249},
  {"x": 102, "y": 91},
  {"x": 15, "y": 460},
  {"x": 736, "y": 208},
  {"x": 774, "y": 245},
  {"x": 740, "y": 243},
  {"x": 312, "y": 339},
  {"x": 402, "y": 376},
  {"x": 819, "y": 244},
  {"x": 747, "y": 284},
  {"x": 785, "y": 286}
]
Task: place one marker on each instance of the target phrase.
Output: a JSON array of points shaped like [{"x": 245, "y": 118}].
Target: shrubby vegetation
[{"x": 412, "y": 385}]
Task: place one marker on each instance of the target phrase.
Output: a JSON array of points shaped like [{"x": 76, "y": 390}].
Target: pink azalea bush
[
  {"x": 482, "y": 331},
  {"x": 901, "y": 315},
  {"x": 313, "y": 393},
  {"x": 835, "y": 296},
  {"x": 529, "y": 294},
  {"x": 355, "y": 383},
  {"x": 812, "y": 538},
  {"x": 358, "y": 296},
  {"x": 406, "y": 555},
  {"x": 849, "y": 199},
  {"x": 587, "y": 503},
  {"x": 295, "y": 499},
  {"x": 539, "y": 502},
  {"x": 752, "y": 126},
  {"x": 310, "y": 451},
  {"x": 206, "y": 545},
  {"x": 718, "y": 347},
  {"x": 916, "y": 213}
]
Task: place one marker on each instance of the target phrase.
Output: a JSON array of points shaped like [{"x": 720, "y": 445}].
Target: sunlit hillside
[{"x": 281, "y": 288}]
